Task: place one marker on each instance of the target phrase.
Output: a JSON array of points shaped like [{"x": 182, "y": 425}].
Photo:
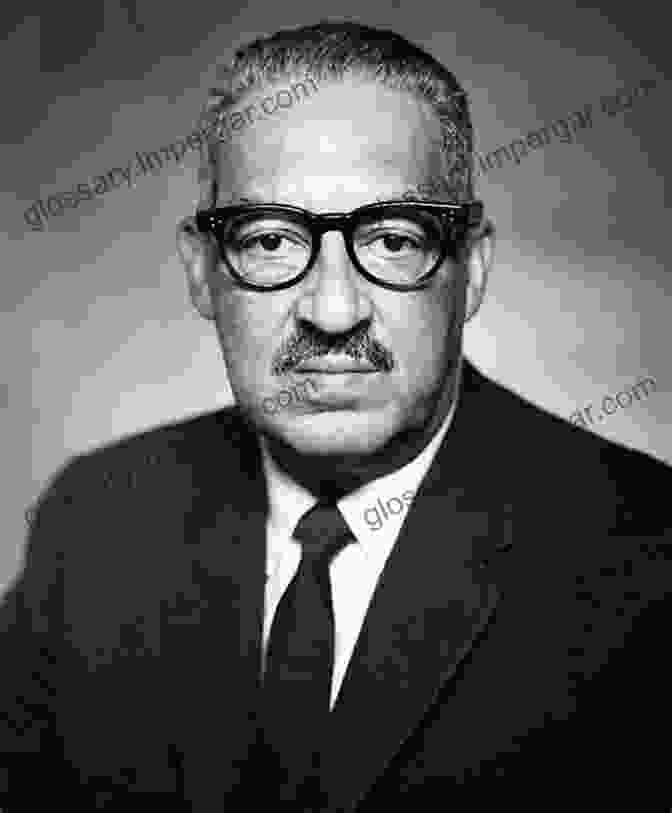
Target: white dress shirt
[{"x": 355, "y": 570}]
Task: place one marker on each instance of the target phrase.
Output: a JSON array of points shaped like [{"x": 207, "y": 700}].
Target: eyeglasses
[{"x": 399, "y": 245}]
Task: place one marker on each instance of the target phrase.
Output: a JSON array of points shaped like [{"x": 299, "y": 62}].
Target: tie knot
[{"x": 322, "y": 531}]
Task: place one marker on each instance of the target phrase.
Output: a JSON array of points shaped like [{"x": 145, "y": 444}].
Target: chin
[{"x": 336, "y": 432}]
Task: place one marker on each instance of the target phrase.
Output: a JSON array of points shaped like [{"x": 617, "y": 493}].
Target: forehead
[{"x": 339, "y": 147}]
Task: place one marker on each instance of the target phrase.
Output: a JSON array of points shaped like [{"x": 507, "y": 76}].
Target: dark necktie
[{"x": 300, "y": 657}]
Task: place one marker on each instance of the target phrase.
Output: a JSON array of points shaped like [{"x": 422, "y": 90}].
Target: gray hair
[{"x": 329, "y": 51}]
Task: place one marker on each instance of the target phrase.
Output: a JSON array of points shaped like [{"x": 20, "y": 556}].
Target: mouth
[{"x": 334, "y": 365}]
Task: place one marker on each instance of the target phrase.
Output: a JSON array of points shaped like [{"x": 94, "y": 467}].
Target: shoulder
[
  {"x": 515, "y": 422},
  {"x": 585, "y": 517},
  {"x": 554, "y": 465},
  {"x": 109, "y": 515},
  {"x": 173, "y": 457}
]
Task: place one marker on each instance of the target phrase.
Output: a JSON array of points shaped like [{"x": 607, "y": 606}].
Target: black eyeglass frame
[{"x": 457, "y": 219}]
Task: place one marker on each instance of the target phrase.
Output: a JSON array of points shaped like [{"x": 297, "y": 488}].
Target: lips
[{"x": 335, "y": 364}]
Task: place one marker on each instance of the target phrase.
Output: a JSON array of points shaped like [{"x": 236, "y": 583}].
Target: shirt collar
[{"x": 289, "y": 501}]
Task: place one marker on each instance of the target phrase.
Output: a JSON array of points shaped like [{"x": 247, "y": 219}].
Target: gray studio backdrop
[{"x": 98, "y": 337}]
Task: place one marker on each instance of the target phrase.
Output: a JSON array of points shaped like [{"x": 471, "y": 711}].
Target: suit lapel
[{"x": 434, "y": 598}]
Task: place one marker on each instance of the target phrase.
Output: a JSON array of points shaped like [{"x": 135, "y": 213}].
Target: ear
[
  {"x": 479, "y": 261},
  {"x": 195, "y": 252}
]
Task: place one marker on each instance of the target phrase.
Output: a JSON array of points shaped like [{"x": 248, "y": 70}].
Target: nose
[{"x": 335, "y": 300}]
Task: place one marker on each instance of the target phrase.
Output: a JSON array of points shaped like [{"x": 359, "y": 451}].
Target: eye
[
  {"x": 392, "y": 244},
  {"x": 395, "y": 243},
  {"x": 269, "y": 238},
  {"x": 268, "y": 248},
  {"x": 269, "y": 242}
]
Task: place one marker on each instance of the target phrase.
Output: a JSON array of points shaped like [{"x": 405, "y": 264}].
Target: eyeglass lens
[{"x": 271, "y": 248}]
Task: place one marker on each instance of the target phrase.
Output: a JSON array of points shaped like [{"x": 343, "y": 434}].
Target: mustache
[{"x": 310, "y": 342}]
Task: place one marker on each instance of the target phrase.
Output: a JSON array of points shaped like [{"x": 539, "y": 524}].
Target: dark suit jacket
[{"x": 516, "y": 650}]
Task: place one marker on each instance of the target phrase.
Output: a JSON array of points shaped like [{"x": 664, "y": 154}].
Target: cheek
[
  {"x": 250, "y": 329},
  {"x": 244, "y": 336},
  {"x": 421, "y": 339}
]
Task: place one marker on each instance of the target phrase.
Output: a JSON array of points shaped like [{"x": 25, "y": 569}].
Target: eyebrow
[
  {"x": 411, "y": 190},
  {"x": 241, "y": 199}
]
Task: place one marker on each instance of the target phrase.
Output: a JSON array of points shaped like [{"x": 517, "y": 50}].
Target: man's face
[{"x": 346, "y": 145}]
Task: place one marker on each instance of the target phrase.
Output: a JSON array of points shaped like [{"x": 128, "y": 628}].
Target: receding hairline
[{"x": 331, "y": 52}]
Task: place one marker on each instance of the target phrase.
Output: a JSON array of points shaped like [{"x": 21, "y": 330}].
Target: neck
[{"x": 333, "y": 476}]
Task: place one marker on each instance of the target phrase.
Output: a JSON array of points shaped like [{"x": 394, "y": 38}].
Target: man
[{"x": 226, "y": 629}]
